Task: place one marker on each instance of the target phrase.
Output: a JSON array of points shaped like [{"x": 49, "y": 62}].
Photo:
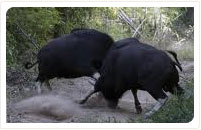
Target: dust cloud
[{"x": 54, "y": 106}]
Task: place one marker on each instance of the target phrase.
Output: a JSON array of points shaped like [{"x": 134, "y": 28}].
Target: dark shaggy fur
[
  {"x": 131, "y": 65},
  {"x": 74, "y": 55}
]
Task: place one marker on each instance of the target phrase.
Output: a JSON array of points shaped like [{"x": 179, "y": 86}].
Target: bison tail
[{"x": 29, "y": 65}]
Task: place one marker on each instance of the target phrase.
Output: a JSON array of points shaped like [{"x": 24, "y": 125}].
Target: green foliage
[
  {"x": 41, "y": 24},
  {"x": 162, "y": 26},
  {"x": 11, "y": 52},
  {"x": 186, "y": 52},
  {"x": 178, "y": 109},
  {"x": 71, "y": 18},
  {"x": 37, "y": 22}
]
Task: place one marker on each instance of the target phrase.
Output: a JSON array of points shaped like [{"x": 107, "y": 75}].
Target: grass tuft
[{"x": 178, "y": 109}]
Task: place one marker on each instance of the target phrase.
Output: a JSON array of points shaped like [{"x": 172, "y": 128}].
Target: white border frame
[{"x": 193, "y": 124}]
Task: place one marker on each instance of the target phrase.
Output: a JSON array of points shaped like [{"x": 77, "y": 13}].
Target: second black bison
[
  {"x": 77, "y": 54},
  {"x": 131, "y": 65}
]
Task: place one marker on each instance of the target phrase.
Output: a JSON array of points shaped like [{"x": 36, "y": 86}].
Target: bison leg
[
  {"x": 161, "y": 97},
  {"x": 92, "y": 82},
  {"x": 137, "y": 103},
  {"x": 87, "y": 97},
  {"x": 48, "y": 85},
  {"x": 95, "y": 76},
  {"x": 38, "y": 85}
]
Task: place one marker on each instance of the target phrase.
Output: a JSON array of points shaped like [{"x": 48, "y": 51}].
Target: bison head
[
  {"x": 172, "y": 81},
  {"x": 174, "y": 89}
]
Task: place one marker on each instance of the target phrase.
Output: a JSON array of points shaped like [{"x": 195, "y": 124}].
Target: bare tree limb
[
  {"x": 155, "y": 34},
  {"x": 177, "y": 17},
  {"x": 27, "y": 36},
  {"x": 127, "y": 20},
  {"x": 136, "y": 31}
]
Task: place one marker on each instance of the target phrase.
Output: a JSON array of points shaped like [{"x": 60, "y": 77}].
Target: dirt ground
[{"x": 61, "y": 104}]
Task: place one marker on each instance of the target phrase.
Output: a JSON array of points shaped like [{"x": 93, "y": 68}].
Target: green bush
[
  {"x": 41, "y": 24},
  {"x": 11, "y": 52},
  {"x": 178, "y": 109}
]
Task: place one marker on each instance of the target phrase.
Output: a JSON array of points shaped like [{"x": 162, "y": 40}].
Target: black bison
[
  {"x": 131, "y": 65},
  {"x": 77, "y": 54}
]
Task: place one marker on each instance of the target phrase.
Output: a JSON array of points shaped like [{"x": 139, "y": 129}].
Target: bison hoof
[
  {"x": 39, "y": 92},
  {"x": 112, "y": 105},
  {"x": 82, "y": 101}
]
